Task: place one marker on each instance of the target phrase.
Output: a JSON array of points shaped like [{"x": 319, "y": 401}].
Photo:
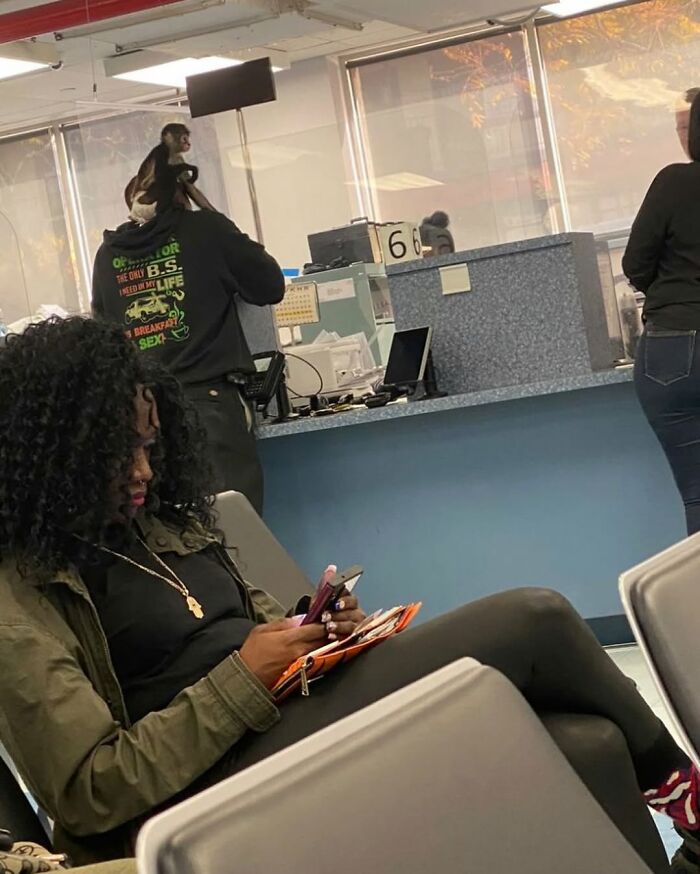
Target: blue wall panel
[{"x": 565, "y": 491}]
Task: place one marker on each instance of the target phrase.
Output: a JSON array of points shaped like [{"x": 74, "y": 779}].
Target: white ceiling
[
  {"x": 427, "y": 16},
  {"x": 292, "y": 30}
]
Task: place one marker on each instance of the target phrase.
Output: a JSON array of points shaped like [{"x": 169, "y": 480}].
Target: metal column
[{"x": 249, "y": 176}]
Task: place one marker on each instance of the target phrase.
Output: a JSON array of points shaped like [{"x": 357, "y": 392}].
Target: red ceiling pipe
[{"x": 64, "y": 14}]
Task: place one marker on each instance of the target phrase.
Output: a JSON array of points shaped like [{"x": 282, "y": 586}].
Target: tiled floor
[{"x": 631, "y": 662}]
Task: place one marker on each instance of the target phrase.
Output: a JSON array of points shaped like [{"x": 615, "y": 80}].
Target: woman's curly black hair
[{"x": 67, "y": 431}]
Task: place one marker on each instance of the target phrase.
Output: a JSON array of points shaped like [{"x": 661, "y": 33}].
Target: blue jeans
[{"x": 667, "y": 380}]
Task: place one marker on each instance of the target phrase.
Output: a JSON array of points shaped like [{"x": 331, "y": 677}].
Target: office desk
[{"x": 557, "y": 483}]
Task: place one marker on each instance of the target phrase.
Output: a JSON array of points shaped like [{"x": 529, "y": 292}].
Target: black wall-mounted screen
[{"x": 231, "y": 88}]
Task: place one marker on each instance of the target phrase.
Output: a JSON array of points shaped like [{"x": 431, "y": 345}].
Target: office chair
[
  {"x": 259, "y": 556},
  {"x": 431, "y": 778},
  {"x": 661, "y": 598}
]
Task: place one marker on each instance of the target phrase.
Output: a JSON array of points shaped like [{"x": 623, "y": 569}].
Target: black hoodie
[{"x": 171, "y": 284}]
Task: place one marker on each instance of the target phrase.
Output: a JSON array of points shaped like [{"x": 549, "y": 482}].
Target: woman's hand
[
  {"x": 271, "y": 648},
  {"x": 343, "y": 617}
]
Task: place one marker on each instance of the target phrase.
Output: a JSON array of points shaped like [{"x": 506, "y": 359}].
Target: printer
[{"x": 340, "y": 366}]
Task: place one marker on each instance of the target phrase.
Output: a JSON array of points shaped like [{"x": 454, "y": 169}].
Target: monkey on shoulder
[{"x": 165, "y": 172}]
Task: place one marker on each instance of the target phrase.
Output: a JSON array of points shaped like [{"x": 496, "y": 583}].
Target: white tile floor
[{"x": 631, "y": 662}]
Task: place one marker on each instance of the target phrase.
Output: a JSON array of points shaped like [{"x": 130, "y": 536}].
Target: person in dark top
[
  {"x": 116, "y": 586},
  {"x": 435, "y": 234},
  {"x": 683, "y": 117},
  {"x": 662, "y": 260},
  {"x": 172, "y": 284},
  {"x": 155, "y": 661}
]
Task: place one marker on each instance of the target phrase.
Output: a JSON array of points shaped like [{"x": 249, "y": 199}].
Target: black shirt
[
  {"x": 157, "y": 646},
  {"x": 172, "y": 285},
  {"x": 662, "y": 258}
]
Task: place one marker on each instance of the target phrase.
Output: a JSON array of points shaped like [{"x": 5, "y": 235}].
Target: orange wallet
[{"x": 374, "y": 630}]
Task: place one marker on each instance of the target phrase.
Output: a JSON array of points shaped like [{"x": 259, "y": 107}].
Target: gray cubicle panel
[
  {"x": 346, "y": 305},
  {"x": 535, "y": 312},
  {"x": 258, "y": 326}
]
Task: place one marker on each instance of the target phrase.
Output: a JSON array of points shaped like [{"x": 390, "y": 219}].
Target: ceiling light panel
[
  {"x": 419, "y": 15},
  {"x": 404, "y": 182},
  {"x": 9, "y": 67},
  {"x": 173, "y": 74},
  {"x": 565, "y": 8},
  {"x": 19, "y": 58}
]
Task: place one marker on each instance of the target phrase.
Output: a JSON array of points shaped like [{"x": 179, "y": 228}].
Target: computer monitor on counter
[
  {"x": 408, "y": 356},
  {"x": 410, "y": 364}
]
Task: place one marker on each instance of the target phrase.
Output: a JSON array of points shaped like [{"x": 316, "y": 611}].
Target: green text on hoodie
[{"x": 172, "y": 283}]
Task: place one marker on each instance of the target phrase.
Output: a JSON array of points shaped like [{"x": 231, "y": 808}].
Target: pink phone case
[{"x": 330, "y": 588}]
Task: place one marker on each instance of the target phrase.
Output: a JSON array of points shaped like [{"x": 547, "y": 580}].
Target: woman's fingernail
[
  {"x": 339, "y": 605},
  {"x": 331, "y": 626},
  {"x": 326, "y": 618},
  {"x": 332, "y": 637}
]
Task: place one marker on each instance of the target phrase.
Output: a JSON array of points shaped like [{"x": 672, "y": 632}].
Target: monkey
[{"x": 164, "y": 176}]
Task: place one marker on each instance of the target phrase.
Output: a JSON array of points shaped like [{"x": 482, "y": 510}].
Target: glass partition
[
  {"x": 15, "y": 303},
  {"x": 297, "y": 152},
  {"x": 456, "y": 129},
  {"x": 36, "y": 268}
]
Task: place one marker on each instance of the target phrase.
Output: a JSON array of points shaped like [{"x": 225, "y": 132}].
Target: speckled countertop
[
  {"x": 485, "y": 252},
  {"x": 364, "y": 416}
]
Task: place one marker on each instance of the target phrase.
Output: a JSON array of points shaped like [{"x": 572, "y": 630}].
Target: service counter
[
  {"x": 556, "y": 483},
  {"x": 537, "y": 469}
]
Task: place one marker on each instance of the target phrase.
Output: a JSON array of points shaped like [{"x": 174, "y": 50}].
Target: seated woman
[{"x": 135, "y": 661}]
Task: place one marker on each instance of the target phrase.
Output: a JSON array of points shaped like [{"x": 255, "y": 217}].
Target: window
[
  {"x": 36, "y": 267},
  {"x": 613, "y": 80},
  {"x": 456, "y": 129}
]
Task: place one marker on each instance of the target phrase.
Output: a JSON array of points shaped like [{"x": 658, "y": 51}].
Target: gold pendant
[{"x": 195, "y": 607}]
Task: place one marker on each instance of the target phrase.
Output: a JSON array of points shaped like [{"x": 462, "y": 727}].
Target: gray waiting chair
[
  {"x": 661, "y": 598},
  {"x": 261, "y": 559},
  {"x": 435, "y": 777}
]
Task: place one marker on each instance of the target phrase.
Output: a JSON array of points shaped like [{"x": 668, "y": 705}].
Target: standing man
[
  {"x": 683, "y": 117},
  {"x": 172, "y": 282}
]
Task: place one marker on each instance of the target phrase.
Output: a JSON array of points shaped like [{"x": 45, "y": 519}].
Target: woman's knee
[
  {"x": 590, "y": 743},
  {"x": 540, "y": 606}
]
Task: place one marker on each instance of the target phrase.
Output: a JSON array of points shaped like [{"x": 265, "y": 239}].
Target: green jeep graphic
[{"x": 147, "y": 308}]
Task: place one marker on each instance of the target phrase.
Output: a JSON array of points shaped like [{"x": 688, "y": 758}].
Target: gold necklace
[{"x": 193, "y": 604}]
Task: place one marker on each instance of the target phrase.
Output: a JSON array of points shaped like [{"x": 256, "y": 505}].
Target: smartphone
[{"x": 330, "y": 588}]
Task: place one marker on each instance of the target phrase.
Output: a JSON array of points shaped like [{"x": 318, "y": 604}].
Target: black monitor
[
  {"x": 408, "y": 357},
  {"x": 231, "y": 88}
]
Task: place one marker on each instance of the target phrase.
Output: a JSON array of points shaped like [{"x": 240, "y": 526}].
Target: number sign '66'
[{"x": 400, "y": 242}]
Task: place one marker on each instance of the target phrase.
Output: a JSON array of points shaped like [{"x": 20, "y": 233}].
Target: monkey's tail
[{"x": 187, "y": 173}]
